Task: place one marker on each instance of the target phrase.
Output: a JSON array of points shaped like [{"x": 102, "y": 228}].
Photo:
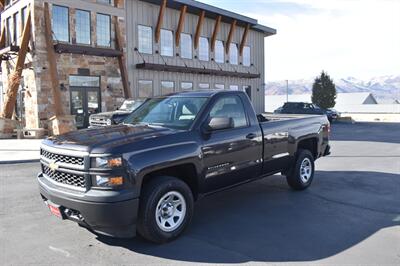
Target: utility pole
[{"x": 287, "y": 91}]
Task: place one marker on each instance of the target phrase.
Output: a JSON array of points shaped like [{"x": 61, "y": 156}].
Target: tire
[
  {"x": 166, "y": 209},
  {"x": 301, "y": 174}
]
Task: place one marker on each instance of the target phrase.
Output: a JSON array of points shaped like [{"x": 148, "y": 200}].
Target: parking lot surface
[{"x": 350, "y": 215}]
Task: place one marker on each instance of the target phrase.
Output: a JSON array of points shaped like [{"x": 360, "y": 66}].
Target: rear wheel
[
  {"x": 301, "y": 175},
  {"x": 166, "y": 209}
]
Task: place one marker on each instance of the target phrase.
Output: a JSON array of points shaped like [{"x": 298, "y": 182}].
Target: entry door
[
  {"x": 234, "y": 155},
  {"x": 84, "y": 102}
]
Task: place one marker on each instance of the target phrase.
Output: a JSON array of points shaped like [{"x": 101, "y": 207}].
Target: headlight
[
  {"x": 103, "y": 181},
  {"x": 109, "y": 122},
  {"x": 108, "y": 162}
]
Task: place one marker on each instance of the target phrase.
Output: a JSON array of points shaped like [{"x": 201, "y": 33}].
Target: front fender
[{"x": 144, "y": 162}]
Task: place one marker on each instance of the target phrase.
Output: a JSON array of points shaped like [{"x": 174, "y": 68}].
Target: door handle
[{"x": 251, "y": 136}]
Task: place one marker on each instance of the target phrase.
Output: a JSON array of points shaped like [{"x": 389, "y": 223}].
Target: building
[
  {"x": 344, "y": 101},
  {"x": 86, "y": 56}
]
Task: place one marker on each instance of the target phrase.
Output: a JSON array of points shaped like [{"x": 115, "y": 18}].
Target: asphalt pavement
[{"x": 350, "y": 215}]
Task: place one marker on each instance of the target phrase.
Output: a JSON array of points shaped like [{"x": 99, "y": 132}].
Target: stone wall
[
  {"x": 39, "y": 103},
  {"x": 68, "y": 64}
]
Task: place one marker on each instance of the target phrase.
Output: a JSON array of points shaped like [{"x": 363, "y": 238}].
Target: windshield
[
  {"x": 130, "y": 105},
  {"x": 171, "y": 112}
]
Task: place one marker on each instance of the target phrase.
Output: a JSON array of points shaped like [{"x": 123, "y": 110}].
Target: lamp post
[{"x": 287, "y": 91}]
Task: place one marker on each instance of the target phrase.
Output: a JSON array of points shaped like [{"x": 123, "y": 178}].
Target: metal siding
[{"x": 142, "y": 13}]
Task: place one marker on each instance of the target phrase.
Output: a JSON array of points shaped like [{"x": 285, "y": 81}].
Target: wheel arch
[
  {"x": 310, "y": 144},
  {"x": 186, "y": 172}
]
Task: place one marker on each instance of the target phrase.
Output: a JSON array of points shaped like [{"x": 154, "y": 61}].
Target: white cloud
[{"x": 358, "y": 38}]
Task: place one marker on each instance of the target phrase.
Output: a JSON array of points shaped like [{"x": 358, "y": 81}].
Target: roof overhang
[
  {"x": 195, "y": 70},
  {"x": 194, "y": 7}
]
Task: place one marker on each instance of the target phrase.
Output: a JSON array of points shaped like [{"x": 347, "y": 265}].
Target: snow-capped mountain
[{"x": 385, "y": 88}]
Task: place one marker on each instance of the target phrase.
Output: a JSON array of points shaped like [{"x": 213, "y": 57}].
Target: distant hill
[{"x": 385, "y": 88}]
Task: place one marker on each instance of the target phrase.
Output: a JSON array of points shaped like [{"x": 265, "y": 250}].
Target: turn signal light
[
  {"x": 116, "y": 181},
  {"x": 115, "y": 162}
]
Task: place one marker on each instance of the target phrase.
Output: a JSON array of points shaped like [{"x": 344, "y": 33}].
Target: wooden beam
[
  {"x": 14, "y": 79},
  {"x": 9, "y": 49},
  {"x": 180, "y": 25},
  {"x": 66, "y": 48},
  {"x": 3, "y": 37},
  {"x": 51, "y": 55},
  {"x": 121, "y": 59},
  {"x": 2, "y": 42},
  {"x": 198, "y": 29},
  {"x": 160, "y": 20},
  {"x": 215, "y": 33},
  {"x": 116, "y": 3},
  {"x": 230, "y": 36},
  {"x": 119, "y": 45},
  {"x": 244, "y": 39}
]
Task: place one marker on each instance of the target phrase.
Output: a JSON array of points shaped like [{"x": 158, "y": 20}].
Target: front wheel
[
  {"x": 166, "y": 209},
  {"x": 301, "y": 174}
]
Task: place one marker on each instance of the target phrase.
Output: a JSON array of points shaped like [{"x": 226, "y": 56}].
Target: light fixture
[{"x": 62, "y": 87}]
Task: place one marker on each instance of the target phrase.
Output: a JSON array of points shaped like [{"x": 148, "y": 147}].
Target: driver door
[{"x": 233, "y": 155}]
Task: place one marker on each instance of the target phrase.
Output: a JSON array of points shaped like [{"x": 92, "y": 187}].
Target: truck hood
[
  {"x": 105, "y": 140},
  {"x": 110, "y": 114}
]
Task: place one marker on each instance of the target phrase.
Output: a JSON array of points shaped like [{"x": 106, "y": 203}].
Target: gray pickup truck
[{"x": 144, "y": 175}]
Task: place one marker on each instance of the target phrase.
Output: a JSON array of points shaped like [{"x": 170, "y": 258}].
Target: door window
[
  {"x": 77, "y": 107},
  {"x": 93, "y": 102},
  {"x": 231, "y": 107}
]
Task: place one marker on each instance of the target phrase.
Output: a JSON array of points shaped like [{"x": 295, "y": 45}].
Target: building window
[
  {"x": 1, "y": 96},
  {"x": 204, "y": 86},
  {"x": 186, "y": 86},
  {"x": 24, "y": 14},
  {"x": 145, "y": 88},
  {"x": 246, "y": 56},
  {"x": 204, "y": 48},
  {"x": 84, "y": 81},
  {"x": 82, "y": 27},
  {"x": 219, "y": 52},
  {"x": 103, "y": 30},
  {"x": 145, "y": 35},
  {"x": 234, "y": 87},
  {"x": 186, "y": 46},
  {"x": 167, "y": 87},
  {"x": 220, "y": 86},
  {"x": 9, "y": 35},
  {"x": 233, "y": 54},
  {"x": 106, "y": 2},
  {"x": 167, "y": 43},
  {"x": 60, "y": 22},
  {"x": 16, "y": 28}
]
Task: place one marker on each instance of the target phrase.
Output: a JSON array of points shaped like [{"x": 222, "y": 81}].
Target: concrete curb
[{"x": 20, "y": 161}]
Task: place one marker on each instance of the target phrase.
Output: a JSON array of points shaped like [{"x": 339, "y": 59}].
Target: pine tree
[{"x": 324, "y": 91}]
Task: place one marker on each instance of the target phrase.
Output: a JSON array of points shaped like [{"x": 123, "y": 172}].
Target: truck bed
[{"x": 269, "y": 117}]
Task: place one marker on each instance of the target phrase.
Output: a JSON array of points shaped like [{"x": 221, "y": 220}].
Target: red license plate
[{"x": 54, "y": 210}]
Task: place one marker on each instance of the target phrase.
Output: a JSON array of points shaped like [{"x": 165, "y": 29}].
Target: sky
[{"x": 346, "y": 38}]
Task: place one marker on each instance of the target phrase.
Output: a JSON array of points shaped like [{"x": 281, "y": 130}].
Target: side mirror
[{"x": 220, "y": 123}]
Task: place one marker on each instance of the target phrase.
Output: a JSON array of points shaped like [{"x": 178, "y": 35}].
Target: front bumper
[{"x": 112, "y": 215}]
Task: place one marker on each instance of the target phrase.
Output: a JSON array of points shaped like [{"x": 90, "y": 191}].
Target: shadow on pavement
[
  {"x": 265, "y": 221},
  {"x": 376, "y": 132}
]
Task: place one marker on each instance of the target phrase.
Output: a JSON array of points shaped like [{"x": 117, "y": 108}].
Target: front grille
[
  {"x": 65, "y": 178},
  {"x": 62, "y": 158}
]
